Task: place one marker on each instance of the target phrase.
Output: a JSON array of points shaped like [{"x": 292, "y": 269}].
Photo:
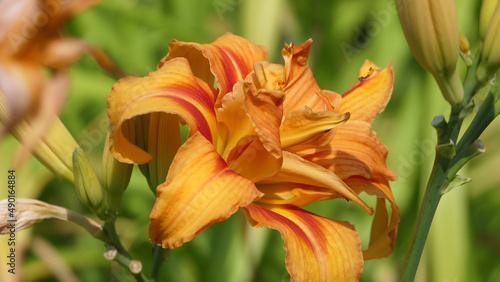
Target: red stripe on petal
[
  {"x": 234, "y": 69},
  {"x": 359, "y": 84},
  {"x": 228, "y": 59},
  {"x": 202, "y": 125},
  {"x": 171, "y": 89},
  {"x": 199, "y": 190},
  {"x": 318, "y": 248}
]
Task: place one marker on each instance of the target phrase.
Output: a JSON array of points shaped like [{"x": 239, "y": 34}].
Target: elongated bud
[
  {"x": 115, "y": 177},
  {"x": 465, "y": 50},
  {"x": 159, "y": 135},
  {"x": 487, "y": 8},
  {"x": 431, "y": 29},
  {"x": 464, "y": 44},
  {"x": 55, "y": 148},
  {"x": 87, "y": 184},
  {"x": 490, "y": 53}
]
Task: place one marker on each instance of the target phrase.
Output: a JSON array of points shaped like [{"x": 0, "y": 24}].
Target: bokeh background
[{"x": 464, "y": 243}]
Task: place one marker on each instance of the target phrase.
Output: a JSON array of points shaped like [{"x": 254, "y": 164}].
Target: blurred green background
[{"x": 464, "y": 243}]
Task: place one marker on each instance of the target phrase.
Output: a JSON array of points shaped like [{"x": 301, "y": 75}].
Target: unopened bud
[
  {"x": 431, "y": 29},
  {"x": 54, "y": 149},
  {"x": 87, "y": 184},
  {"x": 465, "y": 50},
  {"x": 490, "y": 53},
  {"x": 115, "y": 179},
  {"x": 487, "y": 8},
  {"x": 464, "y": 44}
]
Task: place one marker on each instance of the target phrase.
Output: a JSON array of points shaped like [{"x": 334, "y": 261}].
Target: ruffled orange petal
[
  {"x": 252, "y": 160},
  {"x": 200, "y": 189},
  {"x": 267, "y": 76},
  {"x": 253, "y": 107},
  {"x": 292, "y": 194},
  {"x": 265, "y": 109},
  {"x": 354, "y": 150},
  {"x": 298, "y": 170},
  {"x": 332, "y": 102},
  {"x": 257, "y": 127},
  {"x": 331, "y": 99},
  {"x": 371, "y": 94},
  {"x": 317, "y": 248},
  {"x": 385, "y": 225},
  {"x": 301, "y": 88},
  {"x": 229, "y": 58},
  {"x": 295, "y": 58},
  {"x": 232, "y": 118},
  {"x": 303, "y": 124},
  {"x": 171, "y": 89}
]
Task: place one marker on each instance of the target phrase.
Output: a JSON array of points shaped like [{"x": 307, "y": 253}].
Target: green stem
[
  {"x": 464, "y": 156},
  {"x": 424, "y": 219},
  {"x": 124, "y": 261},
  {"x": 454, "y": 124},
  {"x": 159, "y": 255},
  {"x": 446, "y": 166},
  {"x": 122, "y": 257},
  {"x": 109, "y": 228},
  {"x": 471, "y": 84},
  {"x": 438, "y": 179},
  {"x": 486, "y": 114},
  {"x": 440, "y": 176}
]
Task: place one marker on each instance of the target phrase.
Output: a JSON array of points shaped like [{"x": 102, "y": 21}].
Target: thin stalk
[
  {"x": 109, "y": 228},
  {"x": 122, "y": 257},
  {"x": 424, "y": 219},
  {"x": 471, "y": 84},
  {"x": 437, "y": 181},
  {"x": 454, "y": 123},
  {"x": 439, "y": 178},
  {"x": 443, "y": 172},
  {"x": 159, "y": 255},
  {"x": 487, "y": 112},
  {"x": 125, "y": 262}
]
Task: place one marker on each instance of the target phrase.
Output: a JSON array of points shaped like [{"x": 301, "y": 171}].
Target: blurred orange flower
[
  {"x": 266, "y": 139},
  {"x": 34, "y": 59}
]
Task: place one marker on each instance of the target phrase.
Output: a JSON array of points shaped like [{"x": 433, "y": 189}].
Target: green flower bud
[
  {"x": 115, "y": 178},
  {"x": 431, "y": 30},
  {"x": 464, "y": 45},
  {"x": 490, "y": 53},
  {"x": 55, "y": 147},
  {"x": 487, "y": 9},
  {"x": 88, "y": 187}
]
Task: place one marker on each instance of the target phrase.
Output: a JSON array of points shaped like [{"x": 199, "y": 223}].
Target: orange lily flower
[
  {"x": 266, "y": 139},
  {"x": 34, "y": 59}
]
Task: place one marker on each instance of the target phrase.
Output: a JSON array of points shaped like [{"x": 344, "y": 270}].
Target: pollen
[{"x": 368, "y": 75}]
